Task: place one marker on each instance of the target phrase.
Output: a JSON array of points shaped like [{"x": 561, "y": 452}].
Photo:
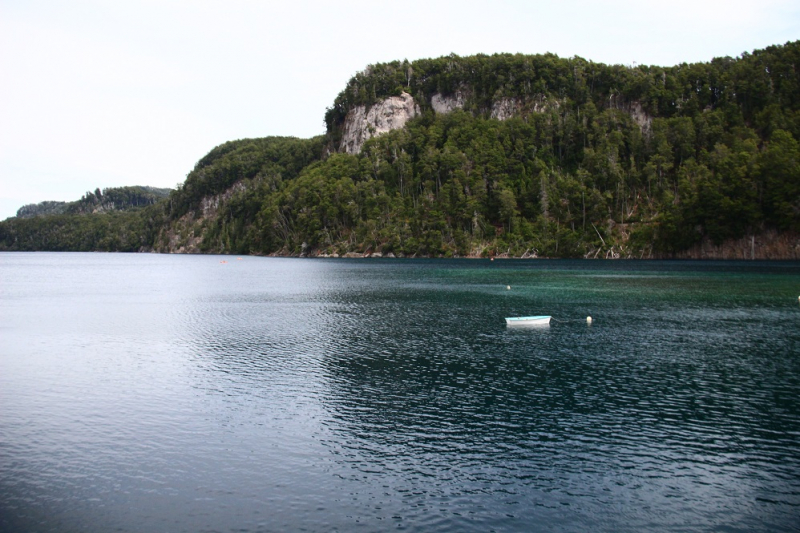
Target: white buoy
[
  {"x": 588, "y": 320},
  {"x": 508, "y": 287}
]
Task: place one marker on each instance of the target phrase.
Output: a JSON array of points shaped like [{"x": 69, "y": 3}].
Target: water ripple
[{"x": 272, "y": 394}]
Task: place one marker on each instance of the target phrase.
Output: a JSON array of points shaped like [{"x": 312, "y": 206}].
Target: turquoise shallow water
[{"x": 179, "y": 393}]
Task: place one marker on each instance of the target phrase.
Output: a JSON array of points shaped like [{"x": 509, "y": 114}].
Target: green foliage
[
  {"x": 271, "y": 159},
  {"x": 780, "y": 181},
  {"x": 599, "y": 161},
  {"x": 111, "y": 199},
  {"x": 121, "y": 219},
  {"x": 117, "y": 199},
  {"x": 758, "y": 88},
  {"x": 42, "y": 208},
  {"x": 115, "y": 231}
]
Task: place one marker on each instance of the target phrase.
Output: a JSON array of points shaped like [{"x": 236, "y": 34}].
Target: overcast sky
[{"x": 103, "y": 93}]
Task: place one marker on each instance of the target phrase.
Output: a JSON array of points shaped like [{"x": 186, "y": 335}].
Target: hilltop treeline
[
  {"x": 114, "y": 219},
  {"x": 597, "y": 161},
  {"x": 110, "y": 199},
  {"x": 759, "y": 90}
]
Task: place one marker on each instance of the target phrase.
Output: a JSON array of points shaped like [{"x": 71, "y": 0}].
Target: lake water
[{"x": 144, "y": 393}]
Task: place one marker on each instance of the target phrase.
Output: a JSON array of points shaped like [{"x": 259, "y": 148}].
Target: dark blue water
[{"x": 178, "y": 393}]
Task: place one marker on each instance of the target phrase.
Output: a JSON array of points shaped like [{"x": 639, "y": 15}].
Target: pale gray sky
[{"x": 102, "y": 94}]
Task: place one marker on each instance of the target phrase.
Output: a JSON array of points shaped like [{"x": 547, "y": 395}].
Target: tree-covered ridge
[
  {"x": 118, "y": 219},
  {"x": 48, "y": 207},
  {"x": 715, "y": 156},
  {"x": 112, "y": 231},
  {"x": 273, "y": 159},
  {"x": 760, "y": 90},
  {"x": 462, "y": 185},
  {"x": 616, "y": 162},
  {"x": 110, "y": 199}
]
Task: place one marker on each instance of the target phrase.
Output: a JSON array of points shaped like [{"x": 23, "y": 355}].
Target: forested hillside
[
  {"x": 114, "y": 219},
  {"x": 111, "y": 199},
  {"x": 524, "y": 155}
]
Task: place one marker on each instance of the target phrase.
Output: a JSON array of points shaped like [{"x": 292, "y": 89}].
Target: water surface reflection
[{"x": 276, "y": 394}]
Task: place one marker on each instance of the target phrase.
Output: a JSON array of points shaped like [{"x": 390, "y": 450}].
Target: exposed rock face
[
  {"x": 635, "y": 110},
  {"x": 185, "y": 235},
  {"x": 640, "y": 117},
  {"x": 540, "y": 103},
  {"x": 210, "y": 204},
  {"x": 362, "y": 123},
  {"x": 445, "y": 104},
  {"x": 393, "y": 113},
  {"x": 504, "y": 108}
]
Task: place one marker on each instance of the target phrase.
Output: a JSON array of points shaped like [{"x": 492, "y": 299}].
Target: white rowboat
[{"x": 528, "y": 321}]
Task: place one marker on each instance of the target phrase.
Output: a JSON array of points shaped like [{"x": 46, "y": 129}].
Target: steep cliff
[
  {"x": 445, "y": 104},
  {"x": 363, "y": 123},
  {"x": 385, "y": 97}
]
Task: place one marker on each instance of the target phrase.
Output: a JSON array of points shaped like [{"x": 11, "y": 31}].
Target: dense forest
[
  {"x": 111, "y": 199},
  {"x": 593, "y": 161},
  {"x": 115, "y": 219}
]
